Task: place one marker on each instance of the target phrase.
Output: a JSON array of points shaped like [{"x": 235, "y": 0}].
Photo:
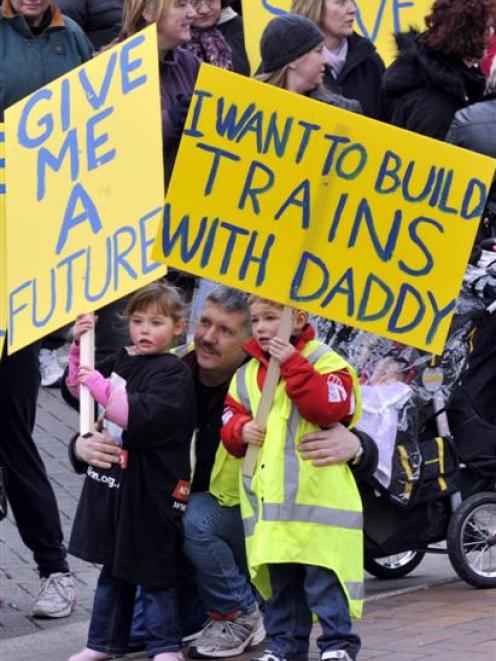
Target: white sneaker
[
  {"x": 50, "y": 368},
  {"x": 335, "y": 655},
  {"x": 56, "y": 597},
  {"x": 226, "y": 638}
]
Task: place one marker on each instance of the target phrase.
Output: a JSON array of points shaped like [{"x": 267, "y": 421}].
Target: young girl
[
  {"x": 302, "y": 523},
  {"x": 129, "y": 516}
]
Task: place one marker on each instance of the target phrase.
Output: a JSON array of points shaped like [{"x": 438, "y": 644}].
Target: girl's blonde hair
[
  {"x": 167, "y": 298},
  {"x": 132, "y": 15},
  {"x": 278, "y": 78},
  {"x": 312, "y": 9}
]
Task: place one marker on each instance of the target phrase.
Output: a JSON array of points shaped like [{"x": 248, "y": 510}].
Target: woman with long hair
[
  {"x": 436, "y": 72},
  {"x": 178, "y": 67},
  {"x": 353, "y": 68}
]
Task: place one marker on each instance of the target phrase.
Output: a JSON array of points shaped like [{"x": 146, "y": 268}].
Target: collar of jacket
[
  {"x": 253, "y": 349},
  {"x": 57, "y": 21}
]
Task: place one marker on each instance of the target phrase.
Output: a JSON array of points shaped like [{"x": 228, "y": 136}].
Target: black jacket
[
  {"x": 130, "y": 518},
  {"x": 100, "y": 19},
  {"x": 232, "y": 31},
  {"x": 426, "y": 88},
  {"x": 361, "y": 77}
]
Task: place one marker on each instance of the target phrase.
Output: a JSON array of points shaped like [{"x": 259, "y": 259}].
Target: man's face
[
  {"x": 219, "y": 337},
  {"x": 32, "y": 10}
]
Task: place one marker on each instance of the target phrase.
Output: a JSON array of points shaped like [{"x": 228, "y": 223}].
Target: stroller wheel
[
  {"x": 472, "y": 540},
  {"x": 393, "y": 566}
]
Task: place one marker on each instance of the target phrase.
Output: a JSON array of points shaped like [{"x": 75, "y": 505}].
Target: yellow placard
[
  {"x": 2, "y": 238},
  {"x": 85, "y": 182},
  {"x": 322, "y": 209},
  {"x": 376, "y": 19}
]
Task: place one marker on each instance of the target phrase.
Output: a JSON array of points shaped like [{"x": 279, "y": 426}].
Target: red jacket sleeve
[
  {"x": 234, "y": 419},
  {"x": 322, "y": 399}
]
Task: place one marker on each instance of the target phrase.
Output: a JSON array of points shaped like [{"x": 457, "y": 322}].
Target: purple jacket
[{"x": 178, "y": 72}]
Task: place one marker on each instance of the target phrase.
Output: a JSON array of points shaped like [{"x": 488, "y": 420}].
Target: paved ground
[{"x": 404, "y": 621}]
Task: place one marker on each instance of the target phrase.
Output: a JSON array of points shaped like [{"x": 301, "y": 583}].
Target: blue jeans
[
  {"x": 113, "y": 611},
  {"x": 214, "y": 542},
  {"x": 192, "y": 612},
  {"x": 298, "y": 591}
]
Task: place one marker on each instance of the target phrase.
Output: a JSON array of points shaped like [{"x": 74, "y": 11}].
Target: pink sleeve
[
  {"x": 73, "y": 368},
  {"x": 117, "y": 409},
  {"x": 99, "y": 387},
  {"x": 114, "y": 400}
]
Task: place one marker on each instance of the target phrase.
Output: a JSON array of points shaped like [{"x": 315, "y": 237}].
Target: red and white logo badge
[
  {"x": 336, "y": 392},
  {"x": 182, "y": 490}
]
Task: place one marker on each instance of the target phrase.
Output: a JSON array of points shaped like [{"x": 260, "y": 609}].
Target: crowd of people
[{"x": 192, "y": 551}]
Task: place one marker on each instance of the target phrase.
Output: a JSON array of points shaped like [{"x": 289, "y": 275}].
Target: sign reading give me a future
[
  {"x": 322, "y": 209},
  {"x": 84, "y": 188}
]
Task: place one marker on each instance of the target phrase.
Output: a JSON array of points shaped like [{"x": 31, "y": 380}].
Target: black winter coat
[
  {"x": 129, "y": 518},
  {"x": 426, "y": 88},
  {"x": 232, "y": 32},
  {"x": 100, "y": 19},
  {"x": 361, "y": 77}
]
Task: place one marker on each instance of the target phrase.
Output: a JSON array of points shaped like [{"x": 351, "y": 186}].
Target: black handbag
[{"x": 3, "y": 494}]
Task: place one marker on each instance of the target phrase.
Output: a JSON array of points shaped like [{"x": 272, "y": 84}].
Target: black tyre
[
  {"x": 394, "y": 566},
  {"x": 472, "y": 540}
]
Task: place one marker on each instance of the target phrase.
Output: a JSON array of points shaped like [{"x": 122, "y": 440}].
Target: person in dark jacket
[
  {"x": 353, "y": 69},
  {"x": 217, "y": 36},
  {"x": 129, "y": 518},
  {"x": 37, "y": 45},
  {"x": 178, "y": 70},
  {"x": 230, "y": 23},
  {"x": 436, "y": 72},
  {"x": 100, "y": 19}
]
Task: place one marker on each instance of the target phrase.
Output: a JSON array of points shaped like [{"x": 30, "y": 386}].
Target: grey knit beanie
[{"x": 285, "y": 39}]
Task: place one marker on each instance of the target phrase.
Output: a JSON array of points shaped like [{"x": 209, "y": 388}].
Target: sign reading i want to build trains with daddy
[{"x": 322, "y": 209}]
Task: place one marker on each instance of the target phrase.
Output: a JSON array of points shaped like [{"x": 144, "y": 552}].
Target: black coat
[
  {"x": 361, "y": 77},
  {"x": 232, "y": 31},
  {"x": 426, "y": 88},
  {"x": 130, "y": 518},
  {"x": 100, "y": 19}
]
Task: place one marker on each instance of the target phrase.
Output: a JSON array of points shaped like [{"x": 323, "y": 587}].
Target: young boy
[{"x": 303, "y": 524}]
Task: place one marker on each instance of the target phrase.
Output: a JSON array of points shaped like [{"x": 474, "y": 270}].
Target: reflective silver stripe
[
  {"x": 318, "y": 353},
  {"x": 291, "y": 465},
  {"x": 355, "y": 590},
  {"x": 327, "y": 516},
  {"x": 242, "y": 388},
  {"x": 250, "y": 522},
  {"x": 249, "y": 525}
]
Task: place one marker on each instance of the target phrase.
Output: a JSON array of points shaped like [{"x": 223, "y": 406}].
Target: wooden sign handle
[
  {"x": 86, "y": 402},
  {"x": 268, "y": 392}
]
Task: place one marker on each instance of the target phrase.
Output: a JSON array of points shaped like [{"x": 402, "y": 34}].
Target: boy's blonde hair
[
  {"x": 254, "y": 298},
  {"x": 167, "y": 298}
]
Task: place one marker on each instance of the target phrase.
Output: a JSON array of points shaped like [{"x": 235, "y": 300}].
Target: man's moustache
[{"x": 209, "y": 348}]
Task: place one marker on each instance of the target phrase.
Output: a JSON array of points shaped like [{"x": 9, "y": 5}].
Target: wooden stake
[
  {"x": 86, "y": 401},
  {"x": 268, "y": 392}
]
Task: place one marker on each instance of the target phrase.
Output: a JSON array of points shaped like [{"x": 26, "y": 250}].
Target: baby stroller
[{"x": 436, "y": 435}]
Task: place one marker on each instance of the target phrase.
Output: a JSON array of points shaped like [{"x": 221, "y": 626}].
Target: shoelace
[
  {"x": 235, "y": 631},
  {"x": 52, "y": 584}
]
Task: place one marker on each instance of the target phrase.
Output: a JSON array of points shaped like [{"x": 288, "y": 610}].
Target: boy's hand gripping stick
[{"x": 268, "y": 392}]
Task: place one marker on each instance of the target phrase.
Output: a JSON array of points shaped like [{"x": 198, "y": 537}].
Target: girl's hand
[
  {"x": 84, "y": 373},
  {"x": 280, "y": 349},
  {"x": 84, "y": 323},
  {"x": 252, "y": 434}
]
